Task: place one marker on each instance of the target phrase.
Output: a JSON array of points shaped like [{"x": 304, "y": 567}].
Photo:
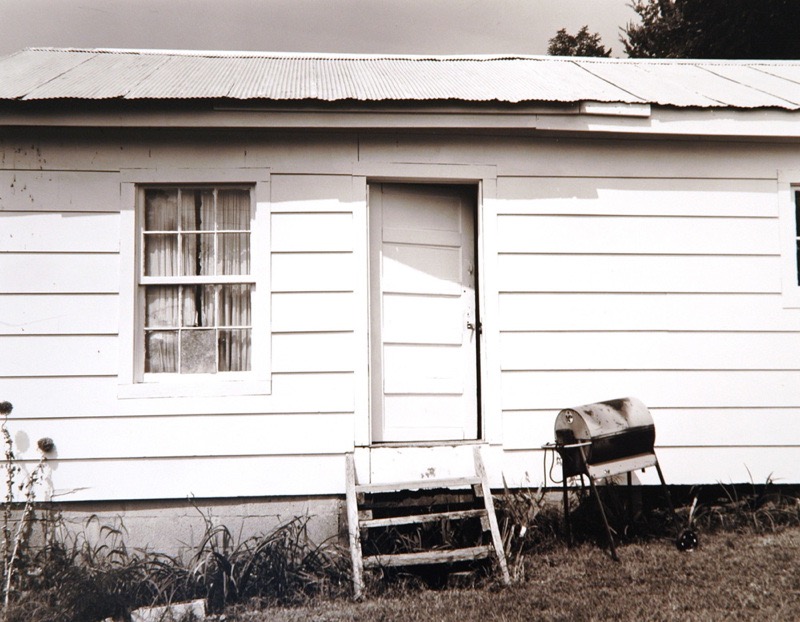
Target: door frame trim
[
  {"x": 485, "y": 179},
  {"x": 405, "y": 192}
]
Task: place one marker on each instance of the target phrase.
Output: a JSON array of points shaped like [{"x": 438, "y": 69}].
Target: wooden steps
[
  {"x": 429, "y": 557},
  {"x": 423, "y": 484},
  {"x": 359, "y": 521}
]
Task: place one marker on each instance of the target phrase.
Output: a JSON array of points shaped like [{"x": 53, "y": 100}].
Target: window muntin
[{"x": 196, "y": 281}]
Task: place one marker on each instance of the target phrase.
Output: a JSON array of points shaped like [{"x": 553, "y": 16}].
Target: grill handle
[{"x": 569, "y": 446}]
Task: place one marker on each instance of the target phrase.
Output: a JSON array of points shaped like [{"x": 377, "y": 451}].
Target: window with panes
[{"x": 195, "y": 279}]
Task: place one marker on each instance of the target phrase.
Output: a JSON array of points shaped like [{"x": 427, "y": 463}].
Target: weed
[
  {"x": 283, "y": 566},
  {"x": 15, "y": 547},
  {"x": 528, "y": 523},
  {"x": 747, "y": 509},
  {"x": 74, "y": 580}
]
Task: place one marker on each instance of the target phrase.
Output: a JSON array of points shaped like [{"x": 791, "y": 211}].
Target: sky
[{"x": 346, "y": 26}]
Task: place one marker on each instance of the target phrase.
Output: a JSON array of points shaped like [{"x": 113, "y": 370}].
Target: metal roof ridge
[
  {"x": 687, "y": 61},
  {"x": 416, "y": 57},
  {"x": 291, "y": 55}
]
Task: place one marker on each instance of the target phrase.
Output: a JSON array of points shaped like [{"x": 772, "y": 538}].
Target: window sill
[{"x": 222, "y": 388}]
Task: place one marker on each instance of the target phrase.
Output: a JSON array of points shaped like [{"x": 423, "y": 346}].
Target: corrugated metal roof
[{"x": 49, "y": 73}]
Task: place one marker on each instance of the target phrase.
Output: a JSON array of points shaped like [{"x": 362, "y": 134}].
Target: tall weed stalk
[{"x": 14, "y": 547}]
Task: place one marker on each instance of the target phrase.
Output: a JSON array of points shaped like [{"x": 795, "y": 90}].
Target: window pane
[
  {"x": 189, "y": 212},
  {"x": 197, "y": 210},
  {"x": 233, "y": 210},
  {"x": 161, "y": 351},
  {"x": 234, "y": 350},
  {"x": 198, "y": 254},
  {"x": 161, "y": 210},
  {"x": 198, "y": 355},
  {"x": 233, "y": 253},
  {"x": 198, "y": 305},
  {"x": 162, "y": 304},
  {"x": 161, "y": 255},
  {"x": 234, "y": 305},
  {"x": 206, "y": 222}
]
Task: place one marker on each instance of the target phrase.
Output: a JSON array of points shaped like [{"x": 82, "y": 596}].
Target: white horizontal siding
[
  {"x": 313, "y": 272},
  {"x": 727, "y": 465},
  {"x": 59, "y": 273},
  {"x": 639, "y": 273},
  {"x": 649, "y": 350},
  {"x": 312, "y": 232},
  {"x": 181, "y": 478},
  {"x": 649, "y": 311},
  {"x": 311, "y": 214},
  {"x": 313, "y": 193},
  {"x": 579, "y": 252},
  {"x": 68, "y": 314},
  {"x": 663, "y": 289},
  {"x": 638, "y": 235},
  {"x": 652, "y": 196},
  {"x": 59, "y": 355},
  {"x": 49, "y": 232},
  {"x": 186, "y": 436},
  {"x": 309, "y": 312},
  {"x": 313, "y": 352},
  {"x": 527, "y": 390},
  {"x": 59, "y": 191},
  {"x": 96, "y": 396}
]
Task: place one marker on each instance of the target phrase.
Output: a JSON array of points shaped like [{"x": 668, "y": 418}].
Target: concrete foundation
[{"x": 177, "y": 527}]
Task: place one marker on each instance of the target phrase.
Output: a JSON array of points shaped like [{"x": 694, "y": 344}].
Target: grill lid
[{"x": 602, "y": 419}]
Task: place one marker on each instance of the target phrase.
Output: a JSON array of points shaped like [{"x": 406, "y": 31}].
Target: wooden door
[{"x": 424, "y": 335}]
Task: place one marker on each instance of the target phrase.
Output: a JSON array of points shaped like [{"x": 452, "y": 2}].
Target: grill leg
[
  {"x": 667, "y": 496},
  {"x": 565, "y": 492},
  {"x": 596, "y": 493},
  {"x": 614, "y": 555},
  {"x": 630, "y": 500}
]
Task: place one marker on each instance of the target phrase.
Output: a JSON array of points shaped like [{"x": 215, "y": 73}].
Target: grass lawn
[{"x": 732, "y": 576}]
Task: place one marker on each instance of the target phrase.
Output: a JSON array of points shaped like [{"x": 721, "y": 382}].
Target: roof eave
[{"x": 586, "y": 118}]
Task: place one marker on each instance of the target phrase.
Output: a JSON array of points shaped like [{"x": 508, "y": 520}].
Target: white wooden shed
[{"x": 221, "y": 272}]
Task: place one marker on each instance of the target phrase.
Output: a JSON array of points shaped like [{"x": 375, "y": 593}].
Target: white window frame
[
  {"x": 133, "y": 382},
  {"x": 788, "y": 185}
]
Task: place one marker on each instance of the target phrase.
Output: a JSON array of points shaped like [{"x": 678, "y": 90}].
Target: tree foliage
[
  {"x": 582, "y": 44},
  {"x": 741, "y": 29}
]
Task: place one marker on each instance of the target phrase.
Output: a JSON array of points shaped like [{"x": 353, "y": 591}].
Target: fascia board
[{"x": 661, "y": 121}]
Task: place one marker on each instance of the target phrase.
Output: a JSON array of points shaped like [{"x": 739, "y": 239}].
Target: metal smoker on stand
[{"x": 604, "y": 440}]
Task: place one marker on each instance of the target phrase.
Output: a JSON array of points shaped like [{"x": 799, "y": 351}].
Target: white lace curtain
[{"x": 197, "y": 328}]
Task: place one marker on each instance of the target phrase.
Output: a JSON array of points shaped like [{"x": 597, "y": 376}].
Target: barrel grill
[{"x": 605, "y": 439}]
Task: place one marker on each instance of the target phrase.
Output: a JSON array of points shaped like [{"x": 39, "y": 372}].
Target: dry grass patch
[{"x": 733, "y": 576}]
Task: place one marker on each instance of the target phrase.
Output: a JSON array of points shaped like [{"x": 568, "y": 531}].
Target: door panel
[
  {"x": 423, "y": 306},
  {"x": 422, "y": 319},
  {"x": 413, "y": 268}
]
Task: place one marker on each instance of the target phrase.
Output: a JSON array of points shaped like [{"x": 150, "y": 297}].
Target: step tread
[
  {"x": 429, "y": 557},
  {"x": 423, "y": 484},
  {"x": 421, "y": 518}
]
